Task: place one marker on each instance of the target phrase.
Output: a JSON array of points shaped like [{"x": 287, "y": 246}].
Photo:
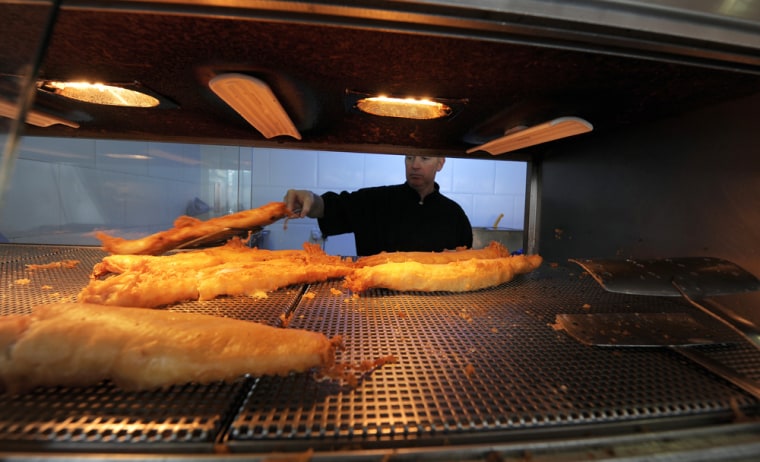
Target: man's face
[{"x": 421, "y": 170}]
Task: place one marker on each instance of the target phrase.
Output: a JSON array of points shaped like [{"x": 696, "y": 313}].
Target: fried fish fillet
[
  {"x": 136, "y": 348},
  {"x": 494, "y": 250},
  {"x": 187, "y": 228},
  {"x": 456, "y": 276},
  {"x": 149, "y": 281},
  {"x": 234, "y": 250}
]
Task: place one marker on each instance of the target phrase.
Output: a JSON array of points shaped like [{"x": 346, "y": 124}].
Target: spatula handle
[
  {"x": 740, "y": 380},
  {"x": 748, "y": 334}
]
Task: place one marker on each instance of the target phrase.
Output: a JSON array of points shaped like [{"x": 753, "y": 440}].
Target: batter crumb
[{"x": 56, "y": 264}]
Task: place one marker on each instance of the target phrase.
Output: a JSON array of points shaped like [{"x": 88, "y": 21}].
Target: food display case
[{"x": 668, "y": 171}]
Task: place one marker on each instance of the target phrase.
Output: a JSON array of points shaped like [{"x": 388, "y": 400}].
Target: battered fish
[
  {"x": 83, "y": 344},
  {"x": 148, "y": 281},
  {"x": 188, "y": 228},
  {"x": 457, "y": 276},
  {"x": 234, "y": 251},
  {"x": 494, "y": 250}
]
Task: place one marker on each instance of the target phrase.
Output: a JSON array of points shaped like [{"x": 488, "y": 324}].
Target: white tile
[
  {"x": 510, "y": 177},
  {"x": 473, "y": 176},
  {"x": 80, "y": 196},
  {"x": 192, "y": 165},
  {"x": 340, "y": 171},
  {"x": 32, "y": 199},
  {"x": 297, "y": 232},
  {"x": 145, "y": 205},
  {"x": 215, "y": 157},
  {"x": 245, "y": 179},
  {"x": 342, "y": 244},
  {"x": 229, "y": 158},
  {"x": 117, "y": 191},
  {"x": 73, "y": 151},
  {"x": 167, "y": 160},
  {"x": 518, "y": 216},
  {"x": 122, "y": 156},
  {"x": 246, "y": 158},
  {"x": 383, "y": 169},
  {"x": 261, "y": 166},
  {"x": 293, "y": 237},
  {"x": 245, "y": 191},
  {"x": 445, "y": 178},
  {"x": 487, "y": 208},
  {"x": 181, "y": 195},
  {"x": 290, "y": 168},
  {"x": 211, "y": 157},
  {"x": 224, "y": 191},
  {"x": 264, "y": 194},
  {"x": 156, "y": 205}
]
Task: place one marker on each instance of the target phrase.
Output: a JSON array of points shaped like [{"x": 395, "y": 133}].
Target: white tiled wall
[
  {"x": 64, "y": 189},
  {"x": 484, "y": 188}
]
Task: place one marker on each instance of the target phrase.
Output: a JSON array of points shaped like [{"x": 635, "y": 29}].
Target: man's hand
[{"x": 304, "y": 203}]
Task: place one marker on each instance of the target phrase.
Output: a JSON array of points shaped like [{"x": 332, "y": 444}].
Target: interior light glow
[
  {"x": 407, "y": 108},
  {"x": 100, "y": 93}
]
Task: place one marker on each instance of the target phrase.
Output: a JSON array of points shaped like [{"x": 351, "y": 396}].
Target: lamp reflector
[
  {"x": 256, "y": 103},
  {"x": 555, "y": 129}
]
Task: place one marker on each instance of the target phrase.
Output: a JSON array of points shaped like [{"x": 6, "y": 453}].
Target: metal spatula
[
  {"x": 637, "y": 329},
  {"x": 218, "y": 237},
  {"x": 692, "y": 278},
  {"x": 679, "y": 332},
  {"x": 698, "y": 277}
]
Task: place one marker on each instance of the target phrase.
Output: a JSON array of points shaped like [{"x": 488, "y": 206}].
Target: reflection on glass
[{"x": 19, "y": 69}]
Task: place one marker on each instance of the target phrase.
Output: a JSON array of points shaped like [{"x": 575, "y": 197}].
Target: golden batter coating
[
  {"x": 148, "y": 281},
  {"x": 83, "y": 344},
  {"x": 494, "y": 250},
  {"x": 234, "y": 250},
  {"x": 456, "y": 276},
  {"x": 187, "y": 228}
]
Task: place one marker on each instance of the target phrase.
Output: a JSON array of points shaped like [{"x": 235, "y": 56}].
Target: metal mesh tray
[
  {"x": 479, "y": 366},
  {"x": 181, "y": 419},
  {"x": 188, "y": 418},
  {"x": 484, "y": 366}
]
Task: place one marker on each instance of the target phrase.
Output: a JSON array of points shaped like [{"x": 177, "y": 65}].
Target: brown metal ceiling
[{"x": 499, "y": 81}]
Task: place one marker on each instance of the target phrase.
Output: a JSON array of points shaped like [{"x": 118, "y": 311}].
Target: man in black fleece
[{"x": 413, "y": 216}]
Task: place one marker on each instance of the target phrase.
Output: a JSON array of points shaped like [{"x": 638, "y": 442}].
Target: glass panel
[
  {"x": 66, "y": 189},
  {"x": 23, "y": 35}
]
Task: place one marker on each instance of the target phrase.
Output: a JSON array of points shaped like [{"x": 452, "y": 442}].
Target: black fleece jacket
[{"x": 393, "y": 218}]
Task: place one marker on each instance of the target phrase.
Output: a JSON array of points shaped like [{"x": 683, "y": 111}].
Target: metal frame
[{"x": 702, "y": 34}]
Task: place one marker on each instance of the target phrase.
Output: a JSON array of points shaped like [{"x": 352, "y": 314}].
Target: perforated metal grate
[
  {"x": 184, "y": 418},
  {"x": 187, "y": 418},
  {"x": 480, "y": 363},
  {"x": 22, "y": 288},
  {"x": 476, "y": 367}
]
